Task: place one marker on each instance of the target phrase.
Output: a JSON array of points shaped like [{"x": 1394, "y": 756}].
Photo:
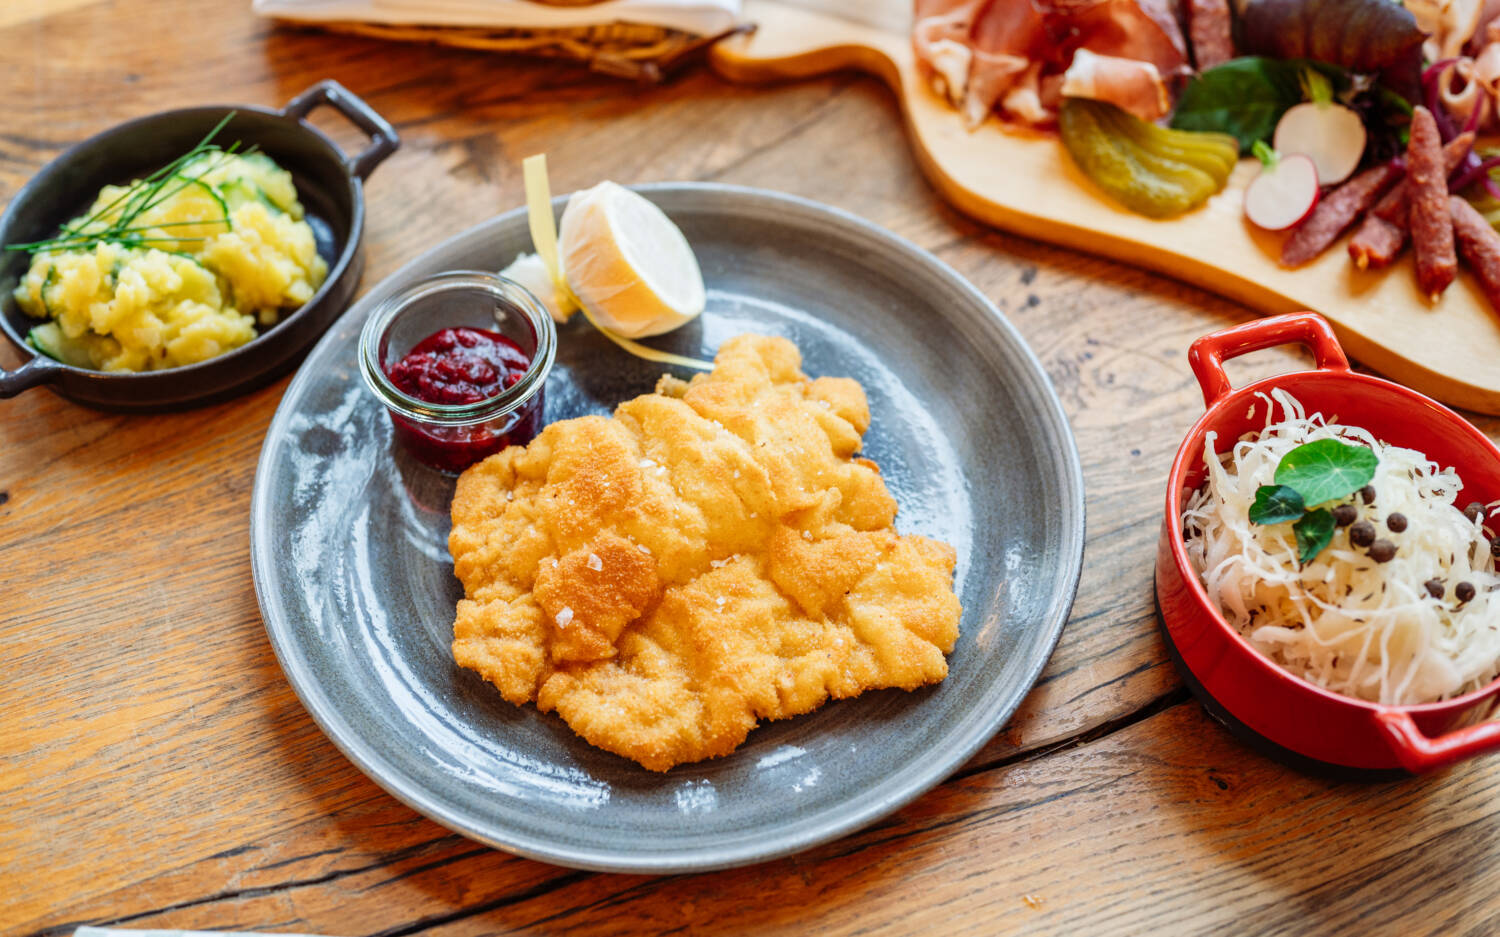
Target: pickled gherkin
[{"x": 1149, "y": 169}]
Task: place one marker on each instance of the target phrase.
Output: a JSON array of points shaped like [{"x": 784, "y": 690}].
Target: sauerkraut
[{"x": 1343, "y": 621}]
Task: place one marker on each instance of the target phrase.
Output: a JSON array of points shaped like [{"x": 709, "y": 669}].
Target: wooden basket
[{"x": 629, "y": 50}]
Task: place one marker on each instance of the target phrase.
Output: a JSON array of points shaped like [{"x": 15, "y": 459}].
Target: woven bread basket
[{"x": 629, "y": 50}]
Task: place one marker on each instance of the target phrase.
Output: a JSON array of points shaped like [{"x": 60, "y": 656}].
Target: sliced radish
[
  {"x": 1330, "y": 134},
  {"x": 1283, "y": 193}
]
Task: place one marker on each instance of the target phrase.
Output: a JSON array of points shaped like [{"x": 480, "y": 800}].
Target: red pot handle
[
  {"x": 1208, "y": 354},
  {"x": 1418, "y": 753}
]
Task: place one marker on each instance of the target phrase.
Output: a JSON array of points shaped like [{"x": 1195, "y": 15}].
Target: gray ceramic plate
[{"x": 349, "y": 547}]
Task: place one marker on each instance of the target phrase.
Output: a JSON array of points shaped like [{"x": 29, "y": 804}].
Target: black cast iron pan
[{"x": 329, "y": 184}]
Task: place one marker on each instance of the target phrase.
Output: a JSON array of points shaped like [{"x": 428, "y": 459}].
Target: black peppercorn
[
  {"x": 1345, "y": 514},
  {"x": 1434, "y": 588},
  {"x": 1474, "y": 512},
  {"x": 1382, "y": 551},
  {"x": 1464, "y": 591},
  {"x": 1362, "y": 534},
  {"x": 1396, "y": 522},
  {"x": 1367, "y": 494}
]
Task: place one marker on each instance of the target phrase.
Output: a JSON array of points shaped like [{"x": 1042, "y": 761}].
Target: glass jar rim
[{"x": 508, "y": 399}]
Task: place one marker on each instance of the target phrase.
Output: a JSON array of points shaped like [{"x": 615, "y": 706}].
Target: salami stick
[
  {"x": 1393, "y": 206},
  {"x": 1480, "y": 245},
  {"x": 1336, "y": 213},
  {"x": 1428, "y": 211},
  {"x": 1209, "y": 31},
  {"x": 1381, "y": 237},
  {"x": 1377, "y": 242}
]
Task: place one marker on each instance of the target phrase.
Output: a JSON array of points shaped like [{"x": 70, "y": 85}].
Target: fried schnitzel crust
[{"x": 712, "y": 555}]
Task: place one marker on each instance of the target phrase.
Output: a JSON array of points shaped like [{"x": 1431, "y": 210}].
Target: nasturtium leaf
[
  {"x": 1313, "y": 532},
  {"x": 1275, "y": 504},
  {"x": 1326, "y": 469}
]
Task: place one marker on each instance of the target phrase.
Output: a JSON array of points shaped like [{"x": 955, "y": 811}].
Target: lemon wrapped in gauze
[{"x": 628, "y": 263}]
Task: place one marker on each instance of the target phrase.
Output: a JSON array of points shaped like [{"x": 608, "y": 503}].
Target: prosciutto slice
[
  {"x": 1129, "y": 84},
  {"x": 1146, "y": 30},
  {"x": 1009, "y": 55},
  {"x": 976, "y": 51}
]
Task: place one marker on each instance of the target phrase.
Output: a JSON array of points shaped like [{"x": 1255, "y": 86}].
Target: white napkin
[{"x": 699, "y": 17}]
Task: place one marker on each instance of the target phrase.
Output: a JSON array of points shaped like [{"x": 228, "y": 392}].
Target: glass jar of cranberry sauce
[{"x": 459, "y": 360}]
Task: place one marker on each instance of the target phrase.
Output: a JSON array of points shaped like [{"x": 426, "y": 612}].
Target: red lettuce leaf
[{"x": 1370, "y": 36}]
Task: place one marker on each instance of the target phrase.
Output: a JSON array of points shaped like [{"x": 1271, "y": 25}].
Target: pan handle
[
  {"x": 383, "y": 137},
  {"x": 1418, "y": 753},
  {"x": 1208, "y": 354},
  {"x": 39, "y": 370}
]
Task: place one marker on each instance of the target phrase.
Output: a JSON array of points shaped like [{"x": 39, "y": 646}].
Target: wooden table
[{"x": 156, "y": 769}]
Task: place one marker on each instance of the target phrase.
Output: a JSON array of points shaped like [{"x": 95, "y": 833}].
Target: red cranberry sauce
[{"x": 459, "y": 366}]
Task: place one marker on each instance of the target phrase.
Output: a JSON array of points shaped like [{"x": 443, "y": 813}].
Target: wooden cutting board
[{"x": 1024, "y": 182}]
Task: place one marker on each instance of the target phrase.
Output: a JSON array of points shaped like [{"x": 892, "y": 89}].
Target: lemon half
[{"x": 628, "y": 263}]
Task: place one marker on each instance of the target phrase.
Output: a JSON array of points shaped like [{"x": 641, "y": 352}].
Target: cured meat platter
[{"x": 1023, "y": 181}]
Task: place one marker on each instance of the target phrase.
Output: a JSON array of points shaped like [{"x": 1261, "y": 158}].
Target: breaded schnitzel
[{"x": 711, "y": 555}]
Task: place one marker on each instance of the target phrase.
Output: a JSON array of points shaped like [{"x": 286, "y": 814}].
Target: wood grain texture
[
  {"x": 157, "y": 770},
  {"x": 20, "y": 11},
  {"x": 1023, "y": 181}
]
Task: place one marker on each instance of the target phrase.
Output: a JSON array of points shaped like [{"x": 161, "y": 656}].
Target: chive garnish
[{"x": 119, "y": 217}]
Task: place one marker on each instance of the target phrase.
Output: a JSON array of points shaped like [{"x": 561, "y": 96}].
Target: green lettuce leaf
[{"x": 1243, "y": 97}]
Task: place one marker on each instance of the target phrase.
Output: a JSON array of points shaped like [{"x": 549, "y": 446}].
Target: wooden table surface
[{"x": 156, "y": 769}]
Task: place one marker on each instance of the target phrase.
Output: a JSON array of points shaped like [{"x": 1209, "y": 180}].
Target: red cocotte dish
[{"x": 1304, "y": 725}]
